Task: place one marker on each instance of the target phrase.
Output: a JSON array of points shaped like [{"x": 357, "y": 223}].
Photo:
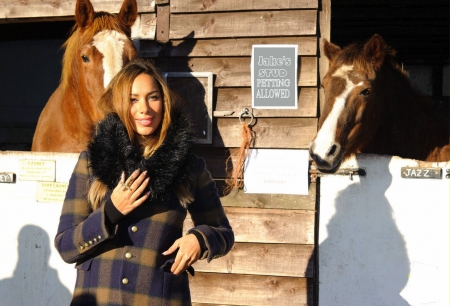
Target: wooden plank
[
  {"x": 307, "y": 45},
  {"x": 242, "y": 24},
  {"x": 234, "y": 71},
  {"x": 269, "y": 225},
  {"x": 51, "y": 8},
  {"x": 273, "y": 259},
  {"x": 277, "y": 201},
  {"x": 236, "y": 99},
  {"x": 293, "y": 133},
  {"x": 325, "y": 25},
  {"x": 185, "y": 6},
  {"x": 163, "y": 23},
  {"x": 235, "y": 289},
  {"x": 147, "y": 26}
]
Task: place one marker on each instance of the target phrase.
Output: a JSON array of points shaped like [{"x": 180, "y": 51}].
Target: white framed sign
[{"x": 274, "y": 76}]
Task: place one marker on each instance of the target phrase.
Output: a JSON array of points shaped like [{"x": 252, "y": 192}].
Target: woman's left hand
[{"x": 188, "y": 253}]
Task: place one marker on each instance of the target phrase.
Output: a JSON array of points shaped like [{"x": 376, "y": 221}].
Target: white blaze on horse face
[
  {"x": 326, "y": 136},
  {"x": 111, "y": 45}
]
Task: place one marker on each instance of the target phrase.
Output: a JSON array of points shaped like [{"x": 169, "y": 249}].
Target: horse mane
[{"x": 78, "y": 37}]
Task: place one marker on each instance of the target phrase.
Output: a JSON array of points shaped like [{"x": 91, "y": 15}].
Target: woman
[{"x": 122, "y": 219}]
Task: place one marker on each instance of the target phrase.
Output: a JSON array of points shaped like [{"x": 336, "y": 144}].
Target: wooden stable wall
[{"x": 272, "y": 262}]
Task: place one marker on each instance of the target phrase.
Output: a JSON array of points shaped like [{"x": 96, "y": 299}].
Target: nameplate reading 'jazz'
[{"x": 421, "y": 173}]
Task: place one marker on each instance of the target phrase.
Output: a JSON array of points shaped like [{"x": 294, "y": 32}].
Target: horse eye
[
  {"x": 85, "y": 58},
  {"x": 365, "y": 92}
]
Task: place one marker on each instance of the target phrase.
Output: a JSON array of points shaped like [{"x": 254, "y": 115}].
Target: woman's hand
[
  {"x": 127, "y": 194},
  {"x": 188, "y": 253}
]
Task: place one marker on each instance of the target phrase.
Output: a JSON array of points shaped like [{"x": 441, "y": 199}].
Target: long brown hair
[{"x": 116, "y": 99}]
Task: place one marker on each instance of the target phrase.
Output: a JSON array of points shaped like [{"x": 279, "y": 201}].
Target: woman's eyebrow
[{"x": 151, "y": 92}]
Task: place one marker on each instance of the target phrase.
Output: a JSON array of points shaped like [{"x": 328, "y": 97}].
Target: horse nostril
[{"x": 332, "y": 150}]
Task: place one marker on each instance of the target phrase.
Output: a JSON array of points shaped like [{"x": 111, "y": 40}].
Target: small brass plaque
[
  {"x": 37, "y": 170},
  {"x": 51, "y": 192}
]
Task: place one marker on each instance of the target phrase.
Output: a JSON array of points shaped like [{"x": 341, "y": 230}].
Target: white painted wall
[
  {"x": 31, "y": 270},
  {"x": 383, "y": 239}
]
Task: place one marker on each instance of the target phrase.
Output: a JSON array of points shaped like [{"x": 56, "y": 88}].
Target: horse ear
[
  {"x": 128, "y": 13},
  {"x": 375, "y": 50},
  {"x": 84, "y": 13},
  {"x": 331, "y": 50}
]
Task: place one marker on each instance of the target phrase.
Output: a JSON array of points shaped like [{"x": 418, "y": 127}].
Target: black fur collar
[{"x": 111, "y": 153}]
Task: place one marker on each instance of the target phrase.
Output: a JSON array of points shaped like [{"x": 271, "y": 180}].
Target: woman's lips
[{"x": 145, "y": 122}]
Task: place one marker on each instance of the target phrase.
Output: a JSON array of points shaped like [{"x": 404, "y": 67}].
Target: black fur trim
[{"x": 111, "y": 153}]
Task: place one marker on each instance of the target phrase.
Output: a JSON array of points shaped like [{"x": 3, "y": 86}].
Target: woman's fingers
[
  {"x": 128, "y": 193},
  {"x": 188, "y": 253}
]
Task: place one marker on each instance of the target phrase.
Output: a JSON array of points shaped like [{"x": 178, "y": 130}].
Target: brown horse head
[
  {"x": 351, "y": 113},
  {"x": 97, "y": 49}
]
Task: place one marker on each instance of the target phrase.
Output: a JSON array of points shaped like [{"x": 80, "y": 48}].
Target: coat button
[
  {"x": 86, "y": 244},
  {"x": 81, "y": 247},
  {"x": 125, "y": 281},
  {"x": 99, "y": 237},
  {"x": 134, "y": 228},
  {"x": 128, "y": 255}
]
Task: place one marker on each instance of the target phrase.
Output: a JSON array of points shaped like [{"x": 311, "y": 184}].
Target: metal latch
[{"x": 343, "y": 172}]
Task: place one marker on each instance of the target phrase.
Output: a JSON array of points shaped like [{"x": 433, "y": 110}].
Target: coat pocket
[{"x": 168, "y": 265}]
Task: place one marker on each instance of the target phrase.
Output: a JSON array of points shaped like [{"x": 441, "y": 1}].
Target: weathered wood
[
  {"x": 242, "y": 24},
  {"x": 184, "y": 6},
  {"x": 269, "y": 225},
  {"x": 56, "y": 8},
  {"x": 234, "y": 71},
  {"x": 224, "y": 47},
  {"x": 146, "y": 26},
  {"x": 324, "y": 24},
  {"x": 237, "y": 198},
  {"x": 234, "y": 289},
  {"x": 163, "y": 23},
  {"x": 273, "y": 259},
  {"x": 236, "y": 99},
  {"x": 294, "y": 133}
]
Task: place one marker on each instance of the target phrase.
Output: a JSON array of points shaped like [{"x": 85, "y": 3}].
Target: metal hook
[{"x": 246, "y": 112}]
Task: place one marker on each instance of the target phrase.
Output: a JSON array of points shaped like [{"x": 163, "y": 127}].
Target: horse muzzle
[{"x": 330, "y": 160}]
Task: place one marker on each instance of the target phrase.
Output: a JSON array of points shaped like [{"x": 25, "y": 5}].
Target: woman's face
[{"x": 146, "y": 105}]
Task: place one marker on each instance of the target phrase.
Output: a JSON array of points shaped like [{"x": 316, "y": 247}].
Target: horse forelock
[
  {"x": 80, "y": 37},
  {"x": 355, "y": 56}
]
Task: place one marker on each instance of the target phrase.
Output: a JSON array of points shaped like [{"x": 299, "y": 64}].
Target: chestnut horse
[
  {"x": 99, "y": 46},
  {"x": 371, "y": 107}
]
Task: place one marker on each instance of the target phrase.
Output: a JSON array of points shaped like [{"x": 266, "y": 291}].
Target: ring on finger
[{"x": 125, "y": 187}]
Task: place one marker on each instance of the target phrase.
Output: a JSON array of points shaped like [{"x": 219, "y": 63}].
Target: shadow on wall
[
  {"x": 34, "y": 282},
  {"x": 363, "y": 259}
]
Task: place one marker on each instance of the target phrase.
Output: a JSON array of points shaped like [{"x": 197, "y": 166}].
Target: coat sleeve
[
  {"x": 81, "y": 230},
  {"x": 209, "y": 216}
]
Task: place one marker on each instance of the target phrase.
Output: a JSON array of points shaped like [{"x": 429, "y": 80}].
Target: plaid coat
[{"x": 125, "y": 266}]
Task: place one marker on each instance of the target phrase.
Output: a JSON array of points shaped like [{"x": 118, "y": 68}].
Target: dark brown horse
[
  {"x": 371, "y": 107},
  {"x": 99, "y": 46}
]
